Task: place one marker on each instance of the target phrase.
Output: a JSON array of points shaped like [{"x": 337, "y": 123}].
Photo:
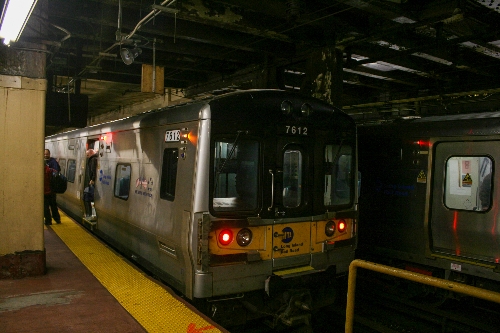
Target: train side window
[
  {"x": 71, "y": 170},
  {"x": 292, "y": 178},
  {"x": 468, "y": 183},
  {"x": 338, "y": 175},
  {"x": 62, "y": 164},
  {"x": 122, "y": 181},
  {"x": 169, "y": 173}
]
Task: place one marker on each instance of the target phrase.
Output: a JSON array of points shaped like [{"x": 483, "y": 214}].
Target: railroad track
[{"x": 379, "y": 309}]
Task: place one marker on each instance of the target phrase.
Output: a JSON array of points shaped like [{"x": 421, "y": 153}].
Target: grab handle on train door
[{"x": 272, "y": 190}]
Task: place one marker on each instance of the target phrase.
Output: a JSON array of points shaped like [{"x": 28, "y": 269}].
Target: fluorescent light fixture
[
  {"x": 403, "y": 20},
  {"x": 481, "y": 49},
  {"x": 496, "y": 43},
  {"x": 383, "y": 43},
  {"x": 15, "y": 15},
  {"x": 368, "y": 74},
  {"x": 432, "y": 58},
  {"x": 379, "y": 66},
  {"x": 358, "y": 57}
]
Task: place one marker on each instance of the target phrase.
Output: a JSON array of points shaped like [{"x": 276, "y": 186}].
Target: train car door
[
  {"x": 463, "y": 210},
  {"x": 293, "y": 196},
  {"x": 90, "y": 189}
]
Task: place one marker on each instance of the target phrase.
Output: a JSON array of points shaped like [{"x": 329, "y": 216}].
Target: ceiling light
[
  {"x": 128, "y": 56},
  {"x": 358, "y": 57},
  {"x": 15, "y": 15},
  {"x": 432, "y": 58},
  {"x": 481, "y": 49},
  {"x": 389, "y": 45},
  {"x": 403, "y": 20}
]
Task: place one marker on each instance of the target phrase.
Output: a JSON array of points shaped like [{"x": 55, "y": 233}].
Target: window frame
[
  {"x": 71, "y": 179},
  {"x": 230, "y": 140},
  {"x": 453, "y": 192},
  {"x": 118, "y": 165},
  {"x": 166, "y": 177},
  {"x": 62, "y": 164},
  {"x": 335, "y": 179}
]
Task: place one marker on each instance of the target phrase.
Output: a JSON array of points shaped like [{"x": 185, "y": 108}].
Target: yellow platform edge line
[{"x": 150, "y": 304}]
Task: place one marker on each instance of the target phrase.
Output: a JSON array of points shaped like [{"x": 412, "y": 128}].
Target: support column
[
  {"x": 22, "y": 130},
  {"x": 22, "y": 114},
  {"x": 324, "y": 75}
]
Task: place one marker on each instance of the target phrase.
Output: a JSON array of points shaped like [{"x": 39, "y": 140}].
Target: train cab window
[
  {"x": 62, "y": 164},
  {"x": 122, "y": 181},
  {"x": 468, "y": 183},
  {"x": 338, "y": 175},
  {"x": 169, "y": 173},
  {"x": 292, "y": 178},
  {"x": 71, "y": 170},
  {"x": 235, "y": 175}
]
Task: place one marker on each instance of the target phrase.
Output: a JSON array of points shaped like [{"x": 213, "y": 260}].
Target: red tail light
[
  {"x": 225, "y": 237},
  {"x": 341, "y": 226}
]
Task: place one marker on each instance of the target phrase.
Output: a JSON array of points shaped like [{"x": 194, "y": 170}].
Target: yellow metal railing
[{"x": 415, "y": 277}]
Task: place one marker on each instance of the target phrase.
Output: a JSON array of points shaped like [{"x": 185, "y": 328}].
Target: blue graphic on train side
[{"x": 287, "y": 235}]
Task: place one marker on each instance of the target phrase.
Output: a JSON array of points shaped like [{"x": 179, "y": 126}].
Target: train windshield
[
  {"x": 338, "y": 174},
  {"x": 235, "y": 175}
]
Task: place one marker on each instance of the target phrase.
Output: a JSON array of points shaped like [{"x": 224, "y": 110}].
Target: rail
[{"x": 415, "y": 277}]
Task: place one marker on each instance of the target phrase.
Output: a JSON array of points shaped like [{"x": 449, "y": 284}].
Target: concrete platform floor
[{"x": 68, "y": 298}]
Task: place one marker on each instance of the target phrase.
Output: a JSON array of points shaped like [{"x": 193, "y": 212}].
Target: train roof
[
  {"x": 251, "y": 101},
  {"x": 487, "y": 123}
]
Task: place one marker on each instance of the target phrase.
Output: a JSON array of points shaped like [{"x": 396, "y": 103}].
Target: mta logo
[{"x": 287, "y": 235}]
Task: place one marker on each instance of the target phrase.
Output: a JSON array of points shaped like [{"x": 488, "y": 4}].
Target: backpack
[{"x": 58, "y": 182}]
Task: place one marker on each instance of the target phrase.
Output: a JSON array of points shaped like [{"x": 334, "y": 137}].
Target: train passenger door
[
  {"x": 293, "y": 183},
  {"x": 90, "y": 191},
  {"x": 292, "y": 178},
  {"x": 463, "y": 207}
]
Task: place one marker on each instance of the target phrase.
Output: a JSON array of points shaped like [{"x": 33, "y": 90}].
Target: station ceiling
[{"x": 400, "y": 57}]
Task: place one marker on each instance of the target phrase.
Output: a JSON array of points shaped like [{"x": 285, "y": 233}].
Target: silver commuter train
[
  {"x": 429, "y": 200},
  {"x": 242, "y": 201}
]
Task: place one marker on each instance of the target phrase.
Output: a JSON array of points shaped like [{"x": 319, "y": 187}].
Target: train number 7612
[{"x": 295, "y": 130}]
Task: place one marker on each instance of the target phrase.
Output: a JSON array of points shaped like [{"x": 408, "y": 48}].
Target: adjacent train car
[
  {"x": 429, "y": 197},
  {"x": 241, "y": 201}
]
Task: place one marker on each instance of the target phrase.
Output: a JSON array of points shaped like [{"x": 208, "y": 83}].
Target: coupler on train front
[{"x": 285, "y": 302}]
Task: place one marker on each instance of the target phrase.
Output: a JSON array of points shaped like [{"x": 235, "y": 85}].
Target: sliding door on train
[
  {"x": 463, "y": 220},
  {"x": 89, "y": 189},
  {"x": 292, "y": 180}
]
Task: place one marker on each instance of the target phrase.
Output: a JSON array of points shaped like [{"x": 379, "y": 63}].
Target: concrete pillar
[{"x": 22, "y": 126}]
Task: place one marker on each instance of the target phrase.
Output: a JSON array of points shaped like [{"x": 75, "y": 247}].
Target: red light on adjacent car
[
  {"x": 225, "y": 237},
  {"x": 423, "y": 144},
  {"x": 342, "y": 226}
]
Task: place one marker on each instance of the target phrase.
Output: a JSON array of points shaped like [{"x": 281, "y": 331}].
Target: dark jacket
[
  {"x": 53, "y": 164},
  {"x": 92, "y": 167}
]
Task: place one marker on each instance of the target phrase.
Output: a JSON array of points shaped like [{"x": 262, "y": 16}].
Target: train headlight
[
  {"x": 225, "y": 237},
  {"x": 330, "y": 228},
  {"x": 286, "y": 107},
  {"x": 306, "y": 110},
  {"x": 244, "y": 237},
  {"x": 342, "y": 226}
]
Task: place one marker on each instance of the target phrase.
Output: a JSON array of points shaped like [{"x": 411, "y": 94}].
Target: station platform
[{"x": 88, "y": 287}]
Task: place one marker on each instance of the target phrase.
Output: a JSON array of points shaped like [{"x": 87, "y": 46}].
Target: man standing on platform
[{"x": 49, "y": 202}]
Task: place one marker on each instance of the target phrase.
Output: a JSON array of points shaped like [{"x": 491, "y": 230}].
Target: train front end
[{"x": 281, "y": 222}]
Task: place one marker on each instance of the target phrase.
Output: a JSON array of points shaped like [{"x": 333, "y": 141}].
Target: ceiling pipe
[
  {"x": 420, "y": 99},
  {"x": 149, "y": 17}
]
